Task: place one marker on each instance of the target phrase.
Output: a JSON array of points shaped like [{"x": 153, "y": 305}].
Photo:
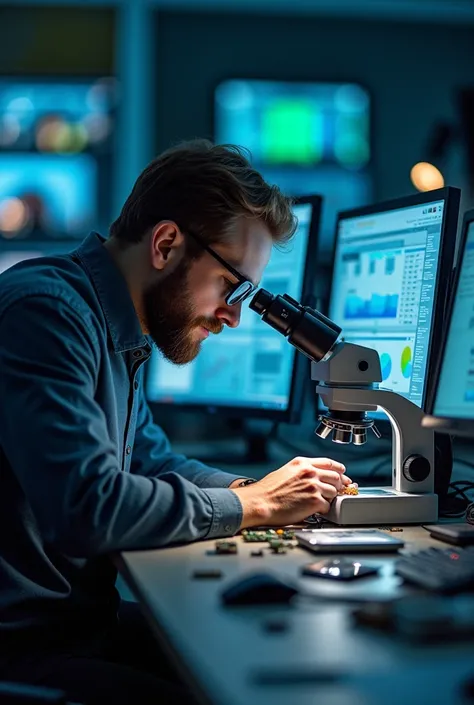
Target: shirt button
[
  {"x": 138, "y": 353},
  {"x": 128, "y": 450},
  {"x": 135, "y": 384},
  {"x": 227, "y": 527}
]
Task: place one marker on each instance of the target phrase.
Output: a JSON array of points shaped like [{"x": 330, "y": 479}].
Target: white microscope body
[
  {"x": 347, "y": 381},
  {"x": 348, "y": 378}
]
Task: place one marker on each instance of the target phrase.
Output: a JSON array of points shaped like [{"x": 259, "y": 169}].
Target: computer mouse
[{"x": 259, "y": 589}]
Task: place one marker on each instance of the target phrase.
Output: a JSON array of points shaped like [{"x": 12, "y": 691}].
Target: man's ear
[{"x": 166, "y": 244}]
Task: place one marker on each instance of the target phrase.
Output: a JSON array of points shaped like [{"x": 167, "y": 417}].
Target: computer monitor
[
  {"x": 250, "y": 371},
  {"x": 392, "y": 269},
  {"x": 307, "y": 137},
  {"x": 451, "y": 404},
  {"x": 47, "y": 195},
  {"x": 11, "y": 254},
  {"x": 57, "y": 138}
]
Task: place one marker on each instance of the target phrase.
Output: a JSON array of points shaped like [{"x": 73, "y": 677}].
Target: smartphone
[
  {"x": 460, "y": 534},
  {"x": 339, "y": 569},
  {"x": 348, "y": 540}
]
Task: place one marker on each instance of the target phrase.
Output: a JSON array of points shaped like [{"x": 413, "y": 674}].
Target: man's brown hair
[{"x": 204, "y": 188}]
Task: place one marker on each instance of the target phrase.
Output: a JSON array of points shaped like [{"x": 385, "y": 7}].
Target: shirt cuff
[
  {"x": 227, "y": 512},
  {"x": 219, "y": 478}
]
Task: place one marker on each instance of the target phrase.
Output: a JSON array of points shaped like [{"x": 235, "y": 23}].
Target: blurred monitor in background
[
  {"x": 305, "y": 137},
  {"x": 47, "y": 195},
  {"x": 18, "y": 251},
  {"x": 56, "y": 156}
]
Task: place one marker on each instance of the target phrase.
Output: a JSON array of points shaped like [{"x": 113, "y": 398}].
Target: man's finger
[{"x": 327, "y": 464}]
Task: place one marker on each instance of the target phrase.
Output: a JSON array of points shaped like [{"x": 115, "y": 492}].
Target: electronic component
[
  {"x": 226, "y": 547},
  {"x": 280, "y": 546},
  {"x": 439, "y": 569},
  {"x": 393, "y": 529},
  {"x": 276, "y": 626},
  {"x": 267, "y": 535},
  {"x": 212, "y": 574},
  {"x": 349, "y": 489}
]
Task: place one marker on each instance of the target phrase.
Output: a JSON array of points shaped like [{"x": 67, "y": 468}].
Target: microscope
[{"x": 347, "y": 379}]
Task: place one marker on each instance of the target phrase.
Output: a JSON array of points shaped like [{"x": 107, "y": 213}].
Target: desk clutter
[{"x": 434, "y": 607}]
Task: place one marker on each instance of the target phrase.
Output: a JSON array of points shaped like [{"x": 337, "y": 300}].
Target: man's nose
[{"x": 230, "y": 315}]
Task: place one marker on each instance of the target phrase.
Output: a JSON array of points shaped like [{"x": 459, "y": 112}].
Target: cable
[{"x": 456, "y": 502}]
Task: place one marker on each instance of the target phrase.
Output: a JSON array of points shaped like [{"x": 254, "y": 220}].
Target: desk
[{"x": 232, "y": 658}]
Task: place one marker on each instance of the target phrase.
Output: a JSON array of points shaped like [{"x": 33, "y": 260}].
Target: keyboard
[{"x": 439, "y": 569}]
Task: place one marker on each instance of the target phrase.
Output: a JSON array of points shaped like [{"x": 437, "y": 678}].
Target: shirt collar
[{"x": 113, "y": 294}]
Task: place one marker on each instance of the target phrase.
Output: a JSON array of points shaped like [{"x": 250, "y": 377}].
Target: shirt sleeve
[
  {"x": 54, "y": 435},
  {"x": 152, "y": 455}
]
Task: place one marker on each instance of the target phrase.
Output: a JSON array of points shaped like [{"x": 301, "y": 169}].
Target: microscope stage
[{"x": 383, "y": 505}]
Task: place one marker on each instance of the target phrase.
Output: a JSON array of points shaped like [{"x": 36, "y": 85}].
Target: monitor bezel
[
  {"x": 292, "y": 412},
  {"x": 452, "y": 197},
  {"x": 455, "y": 427}
]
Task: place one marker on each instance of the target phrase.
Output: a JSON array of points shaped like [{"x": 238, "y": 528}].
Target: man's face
[{"x": 189, "y": 303}]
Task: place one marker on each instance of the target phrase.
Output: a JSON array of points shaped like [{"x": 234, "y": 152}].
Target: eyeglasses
[{"x": 242, "y": 289}]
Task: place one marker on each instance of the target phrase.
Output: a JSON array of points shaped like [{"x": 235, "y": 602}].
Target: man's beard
[{"x": 171, "y": 318}]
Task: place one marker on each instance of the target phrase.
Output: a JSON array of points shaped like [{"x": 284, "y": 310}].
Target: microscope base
[{"x": 383, "y": 505}]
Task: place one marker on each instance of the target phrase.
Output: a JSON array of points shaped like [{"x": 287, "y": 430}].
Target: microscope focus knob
[{"x": 416, "y": 468}]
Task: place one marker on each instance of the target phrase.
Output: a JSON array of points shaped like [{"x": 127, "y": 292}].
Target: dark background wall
[
  {"x": 56, "y": 40},
  {"x": 411, "y": 70}
]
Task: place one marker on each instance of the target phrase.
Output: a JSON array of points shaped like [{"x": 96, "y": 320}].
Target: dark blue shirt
[{"x": 84, "y": 471}]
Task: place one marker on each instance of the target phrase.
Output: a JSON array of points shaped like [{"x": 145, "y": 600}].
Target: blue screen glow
[
  {"x": 384, "y": 286},
  {"x": 455, "y": 394}
]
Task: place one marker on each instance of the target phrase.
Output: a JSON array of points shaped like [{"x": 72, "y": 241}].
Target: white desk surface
[{"x": 321, "y": 659}]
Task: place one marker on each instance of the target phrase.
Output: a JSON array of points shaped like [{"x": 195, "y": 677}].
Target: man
[{"x": 84, "y": 470}]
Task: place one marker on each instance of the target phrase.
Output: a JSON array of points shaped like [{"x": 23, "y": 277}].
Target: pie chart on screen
[
  {"x": 386, "y": 365},
  {"x": 406, "y": 362}
]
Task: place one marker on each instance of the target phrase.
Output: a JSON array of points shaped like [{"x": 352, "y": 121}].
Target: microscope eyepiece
[
  {"x": 261, "y": 301},
  {"x": 306, "y": 329}
]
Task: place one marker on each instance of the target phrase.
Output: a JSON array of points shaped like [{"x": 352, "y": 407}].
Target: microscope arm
[
  {"x": 347, "y": 381},
  {"x": 413, "y": 452}
]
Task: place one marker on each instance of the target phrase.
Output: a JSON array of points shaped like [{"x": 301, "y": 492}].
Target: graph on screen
[{"x": 383, "y": 289}]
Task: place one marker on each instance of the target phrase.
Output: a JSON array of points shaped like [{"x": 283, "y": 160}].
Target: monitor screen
[
  {"x": 47, "y": 195},
  {"x": 455, "y": 393},
  {"x": 251, "y": 368},
  {"x": 10, "y": 256},
  {"x": 307, "y": 137},
  {"x": 385, "y": 285},
  {"x": 56, "y": 151}
]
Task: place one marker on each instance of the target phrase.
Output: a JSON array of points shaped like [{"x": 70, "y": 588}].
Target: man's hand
[{"x": 302, "y": 487}]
